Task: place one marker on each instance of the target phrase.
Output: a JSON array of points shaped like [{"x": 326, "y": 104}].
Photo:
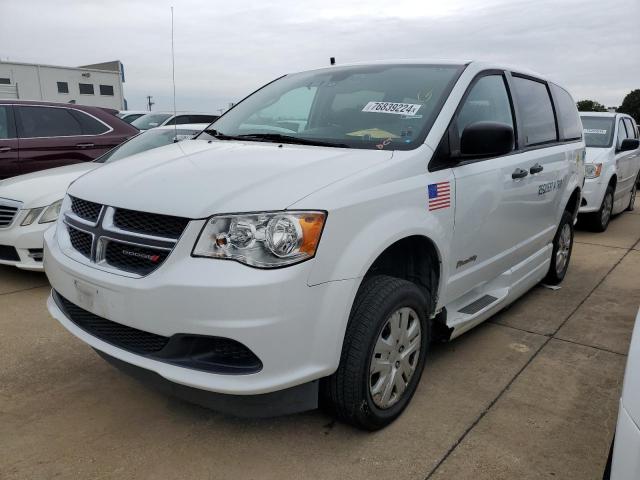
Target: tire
[
  {"x": 561, "y": 253},
  {"x": 599, "y": 221},
  {"x": 632, "y": 199},
  {"x": 354, "y": 393}
]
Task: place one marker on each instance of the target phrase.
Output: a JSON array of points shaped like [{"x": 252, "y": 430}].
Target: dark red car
[{"x": 37, "y": 135}]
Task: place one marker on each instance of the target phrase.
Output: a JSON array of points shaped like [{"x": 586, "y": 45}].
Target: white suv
[
  {"x": 332, "y": 225},
  {"x": 612, "y": 167}
]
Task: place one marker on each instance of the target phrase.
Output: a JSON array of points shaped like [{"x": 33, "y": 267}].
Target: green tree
[
  {"x": 631, "y": 104},
  {"x": 590, "y": 106}
]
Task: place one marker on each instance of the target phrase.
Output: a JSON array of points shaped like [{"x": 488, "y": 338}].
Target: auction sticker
[
  {"x": 392, "y": 107},
  {"x": 595, "y": 130}
]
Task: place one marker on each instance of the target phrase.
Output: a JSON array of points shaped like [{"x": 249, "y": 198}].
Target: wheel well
[
  {"x": 574, "y": 202},
  {"x": 414, "y": 259},
  {"x": 613, "y": 181}
]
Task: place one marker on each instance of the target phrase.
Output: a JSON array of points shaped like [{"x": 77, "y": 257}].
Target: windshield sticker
[
  {"x": 392, "y": 107},
  {"x": 595, "y": 130},
  {"x": 376, "y": 133}
]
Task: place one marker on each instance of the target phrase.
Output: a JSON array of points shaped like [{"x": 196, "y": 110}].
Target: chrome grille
[
  {"x": 120, "y": 239},
  {"x": 8, "y": 211}
]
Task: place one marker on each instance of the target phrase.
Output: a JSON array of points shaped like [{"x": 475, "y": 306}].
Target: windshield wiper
[
  {"x": 279, "y": 138},
  {"x": 273, "y": 137}
]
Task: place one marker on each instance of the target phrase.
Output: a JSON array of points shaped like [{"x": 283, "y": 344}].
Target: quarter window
[
  {"x": 63, "y": 87},
  {"x": 89, "y": 125},
  {"x": 536, "y": 110},
  {"x": 106, "y": 90},
  {"x": 568, "y": 117},
  {"x": 86, "y": 88},
  {"x": 47, "y": 122},
  {"x": 487, "y": 101}
]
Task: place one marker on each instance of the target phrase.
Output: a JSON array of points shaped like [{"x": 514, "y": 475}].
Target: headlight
[
  {"x": 264, "y": 240},
  {"x": 592, "y": 170},
  {"x": 51, "y": 213},
  {"x": 31, "y": 216}
]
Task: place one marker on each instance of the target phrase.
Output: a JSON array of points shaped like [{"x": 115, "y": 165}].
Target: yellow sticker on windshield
[{"x": 373, "y": 133}]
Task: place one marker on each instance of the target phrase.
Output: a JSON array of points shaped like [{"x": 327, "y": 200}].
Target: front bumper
[
  {"x": 295, "y": 330},
  {"x": 626, "y": 450},
  {"x": 27, "y": 242},
  {"x": 593, "y": 194},
  {"x": 290, "y": 400}
]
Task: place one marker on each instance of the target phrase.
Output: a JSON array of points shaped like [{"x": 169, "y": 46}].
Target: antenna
[{"x": 173, "y": 76}]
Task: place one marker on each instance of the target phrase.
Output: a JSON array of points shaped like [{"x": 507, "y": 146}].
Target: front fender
[{"x": 354, "y": 238}]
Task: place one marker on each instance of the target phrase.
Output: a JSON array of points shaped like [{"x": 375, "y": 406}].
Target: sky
[{"x": 225, "y": 50}]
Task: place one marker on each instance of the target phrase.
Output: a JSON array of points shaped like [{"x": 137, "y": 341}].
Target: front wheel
[
  {"x": 599, "y": 221},
  {"x": 383, "y": 353},
  {"x": 562, "y": 248}
]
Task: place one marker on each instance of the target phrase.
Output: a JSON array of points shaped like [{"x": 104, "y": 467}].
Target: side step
[{"x": 477, "y": 305}]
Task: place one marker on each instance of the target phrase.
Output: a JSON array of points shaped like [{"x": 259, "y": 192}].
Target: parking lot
[{"x": 531, "y": 394}]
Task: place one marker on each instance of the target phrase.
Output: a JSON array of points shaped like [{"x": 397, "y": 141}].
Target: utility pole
[{"x": 149, "y": 102}]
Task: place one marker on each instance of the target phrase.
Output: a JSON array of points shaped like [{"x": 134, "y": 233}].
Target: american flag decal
[{"x": 439, "y": 195}]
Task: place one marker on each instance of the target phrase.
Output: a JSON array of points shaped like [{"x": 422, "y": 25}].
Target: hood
[
  {"x": 42, "y": 188},
  {"x": 199, "y": 178},
  {"x": 596, "y": 155}
]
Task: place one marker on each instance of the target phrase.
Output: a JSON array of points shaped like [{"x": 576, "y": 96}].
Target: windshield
[
  {"x": 598, "y": 131},
  {"x": 150, "y": 120},
  {"x": 145, "y": 141},
  {"x": 130, "y": 117},
  {"x": 375, "y": 107}
]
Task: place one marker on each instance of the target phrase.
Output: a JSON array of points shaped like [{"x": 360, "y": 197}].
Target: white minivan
[
  {"x": 612, "y": 167},
  {"x": 309, "y": 245}
]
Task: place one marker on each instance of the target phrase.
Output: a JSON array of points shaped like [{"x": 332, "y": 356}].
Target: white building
[{"x": 98, "y": 85}]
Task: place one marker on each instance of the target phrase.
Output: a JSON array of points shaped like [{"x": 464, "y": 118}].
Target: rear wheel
[
  {"x": 634, "y": 191},
  {"x": 383, "y": 354},
  {"x": 599, "y": 221},
  {"x": 562, "y": 248}
]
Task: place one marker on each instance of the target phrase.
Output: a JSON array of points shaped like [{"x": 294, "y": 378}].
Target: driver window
[
  {"x": 622, "y": 132},
  {"x": 487, "y": 101},
  {"x": 290, "y": 113}
]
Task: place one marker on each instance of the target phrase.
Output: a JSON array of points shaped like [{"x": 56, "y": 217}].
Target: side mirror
[
  {"x": 629, "y": 144},
  {"x": 486, "y": 139}
]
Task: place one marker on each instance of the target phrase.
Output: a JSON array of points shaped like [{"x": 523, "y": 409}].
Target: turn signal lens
[
  {"x": 31, "y": 216},
  {"x": 311, "y": 226}
]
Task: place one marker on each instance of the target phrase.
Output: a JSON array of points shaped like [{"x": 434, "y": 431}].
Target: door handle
[
  {"x": 537, "y": 168},
  {"x": 519, "y": 173},
  {"x": 5, "y": 149},
  {"x": 84, "y": 145}
]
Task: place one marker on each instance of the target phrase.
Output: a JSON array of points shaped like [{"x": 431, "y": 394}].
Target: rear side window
[
  {"x": 47, "y": 122},
  {"x": 536, "y": 110},
  {"x": 631, "y": 129},
  {"x": 568, "y": 118},
  {"x": 89, "y": 125},
  {"x": 203, "y": 118},
  {"x": 6, "y": 123}
]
